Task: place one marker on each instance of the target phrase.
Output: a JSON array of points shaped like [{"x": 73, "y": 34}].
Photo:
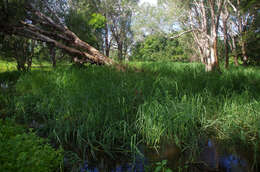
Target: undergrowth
[{"x": 101, "y": 110}]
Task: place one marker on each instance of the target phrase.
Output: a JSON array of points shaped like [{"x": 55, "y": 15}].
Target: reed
[{"x": 97, "y": 110}]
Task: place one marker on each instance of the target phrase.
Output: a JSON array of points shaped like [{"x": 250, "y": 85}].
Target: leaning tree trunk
[{"x": 53, "y": 31}]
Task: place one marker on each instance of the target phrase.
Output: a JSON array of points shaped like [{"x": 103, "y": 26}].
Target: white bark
[{"x": 204, "y": 17}]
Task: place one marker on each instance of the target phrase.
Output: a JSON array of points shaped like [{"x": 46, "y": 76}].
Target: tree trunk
[
  {"x": 233, "y": 46},
  {"x": 226, "y": 44},
  {"x": 244, "y": 54},
  {"x": 20, "y": 62},
  {"x": 216, "y": 51},
  {"x": 236, "y": 59},
  {"x": 29, "y": 63},
  {"x": 235, "y": 52},
  {"x": 120, "y": 51},
  {"x": 212, "y": 63},
  {"x": 53, "y": 55},
  {"x": 107, "y": 43},
  {"x": 225, "y": 16},
  {"x": 241, "y": 31},
  {"x": 30, "y": 55},
  {"x": 204, "y": 18}
]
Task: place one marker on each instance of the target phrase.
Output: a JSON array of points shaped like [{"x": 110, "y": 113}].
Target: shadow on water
[
  {"x": 213, "y": 158},
  {"x": 222, "y": 159}
]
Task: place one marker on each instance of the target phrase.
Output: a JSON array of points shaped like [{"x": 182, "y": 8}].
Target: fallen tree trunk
[{"x": 40, "y": 27}]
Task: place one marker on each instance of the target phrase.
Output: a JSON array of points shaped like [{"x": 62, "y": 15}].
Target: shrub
[
  {"x": 23, "y": 152},
  {"x": 159, "y": 48}
]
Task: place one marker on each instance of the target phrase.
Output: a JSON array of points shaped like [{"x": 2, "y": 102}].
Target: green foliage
[
  {"x": 7, "y": 82},
  {"x": 253, "y": 42},
  {"x": 158, "y": 47},
  {"x": 161, "y": 167},
  {"x": 247, "y": 4},
  {"x": 98, "y": 109},
  {"x": 24, "y": 152},
  {"x": 76, "y": 116},
  {"x": 252, "y": 38},
  {"x": 251, "y": 31},
  {"x": 12, "y": 11},
  {"x": 85, "y": 22},
  {"x": 18, "y": 48},
  {"x": 97, "y": 21},
  {"x": 9, "y": 129}
]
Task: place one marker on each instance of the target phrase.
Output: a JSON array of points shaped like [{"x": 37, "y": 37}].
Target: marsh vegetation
[
  {"x": 126, "y": 86},
  {"x": 99, "y": 111}
]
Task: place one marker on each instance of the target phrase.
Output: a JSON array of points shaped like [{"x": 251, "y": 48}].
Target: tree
[
  {"x": 158, "y": 47},
  {"x": 86, "y": 22},
  {"x": 204, "y": 17},
  {"x": 21, "y": 49},
  {"x": 104, "y": 7},
  {"x": 225, "y": 14},
  {"x": 150, "y": 20},
  {"x": 36, "y": 20},
  {"x": 244, "y": 18},
  {"x": 118, "y": 22},
  {"x": 120, "y": 19},
  {"x": 201, "y": 18},
  {"x": 53, "y": 54}
]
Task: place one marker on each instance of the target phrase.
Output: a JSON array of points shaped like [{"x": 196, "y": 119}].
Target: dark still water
[{"x": 211, "y": 159}]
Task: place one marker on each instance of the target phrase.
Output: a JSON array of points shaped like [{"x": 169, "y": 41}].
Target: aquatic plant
[{"x": 96, "y": 110}]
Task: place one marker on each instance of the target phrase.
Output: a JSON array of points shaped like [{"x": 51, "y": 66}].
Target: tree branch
[{"x": 179, "y": 35}]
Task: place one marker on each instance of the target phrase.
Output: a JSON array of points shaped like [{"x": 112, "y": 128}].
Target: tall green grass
[
  {"x": 99, "y": 109},
  {"x": 90, "y": 109}
]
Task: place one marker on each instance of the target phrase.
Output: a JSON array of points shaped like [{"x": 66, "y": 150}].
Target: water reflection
[
  {"x": 127, "y": 167},
  {"x": 232, "y": 163},
  {"x": 212, "y": 158}
]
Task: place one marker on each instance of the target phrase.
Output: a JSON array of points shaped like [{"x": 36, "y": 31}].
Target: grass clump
[
  {"x": 97, "y": 110},
  {"x": 80, "y": 109}
]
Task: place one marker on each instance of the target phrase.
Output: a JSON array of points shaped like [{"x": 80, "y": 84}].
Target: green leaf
[
  {"x": 164, "y": 162},
  {"x": 158, "y": 169},
  {"x": 168, "y": 170},
  {"x": 158, "y": 163}
]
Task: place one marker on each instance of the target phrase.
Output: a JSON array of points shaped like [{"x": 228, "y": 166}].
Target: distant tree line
[{"x": 94, "y": 30}]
